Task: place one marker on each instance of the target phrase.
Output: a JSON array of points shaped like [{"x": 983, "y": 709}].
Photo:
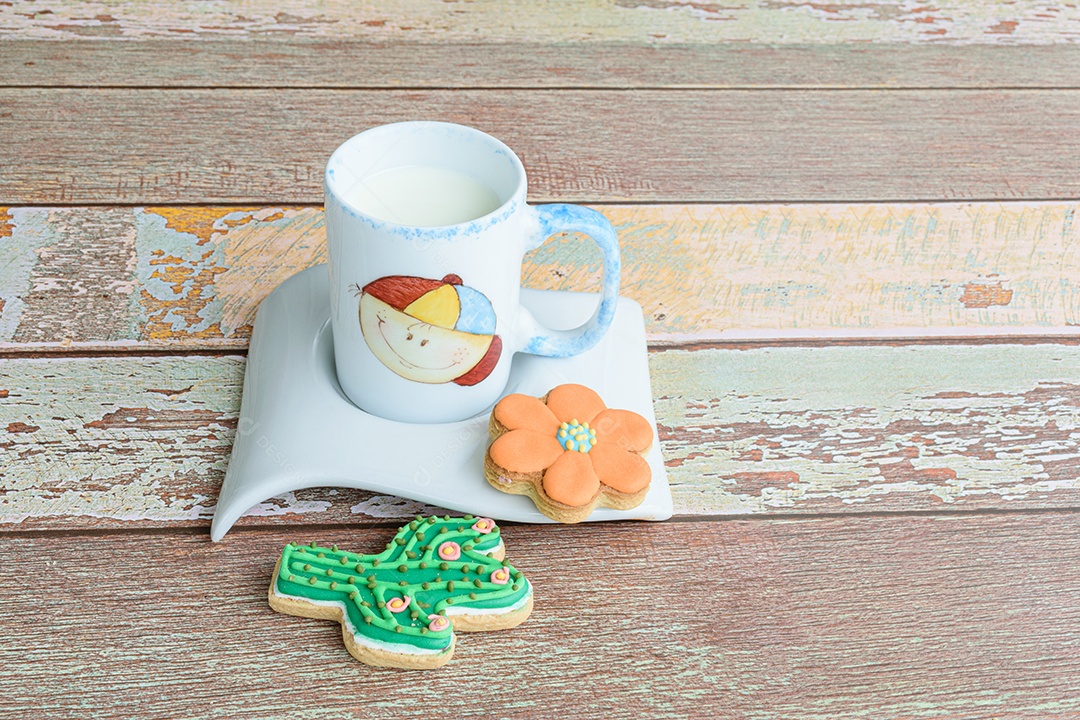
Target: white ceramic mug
[{"x": 426, "y": 317}]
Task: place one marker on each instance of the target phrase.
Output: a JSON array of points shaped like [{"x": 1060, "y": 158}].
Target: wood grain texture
[
  {"x": 192, "y": 277},
  {"x": 588, "y": 21},
  {"x": 631, "y": 43},
  {"x": 269, "y": 146},
  {"x": 844, "y": 428},
  {"x": 144, "y": 441},
  {"x": 261, "y": 61},
  {"x": 114, "y": 603},
  {"x": 913, "y": 617}
]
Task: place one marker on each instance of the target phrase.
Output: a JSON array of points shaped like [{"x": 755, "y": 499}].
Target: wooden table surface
[{"x": 852, "y": 227}]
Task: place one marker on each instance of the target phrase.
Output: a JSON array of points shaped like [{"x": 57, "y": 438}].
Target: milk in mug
[{"x": 423, "y": 195}]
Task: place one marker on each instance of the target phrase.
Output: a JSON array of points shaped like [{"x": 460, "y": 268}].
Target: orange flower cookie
[{"x": 569, "y": 452}]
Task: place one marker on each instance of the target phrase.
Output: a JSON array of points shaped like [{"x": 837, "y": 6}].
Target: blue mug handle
[{"x": 555, "y": 218}]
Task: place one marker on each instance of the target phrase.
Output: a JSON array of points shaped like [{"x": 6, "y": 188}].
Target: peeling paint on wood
[
  {"x": 984, "y": 294},
  {"x": 901, "y": 617},
  {"x": 655, "y": 22},
  {"x": 105, "y": 447},
  {"x": 204, "y": 280},
  {"x": 391, "y": 507},
  {"x": 192, "y": 277},
  {"x": 471, "y": 45},
  {"x": 723, "y": 272},
  {"x": 99, "y": 440},
  {"x": 758, "y": 431},
  {"x": 81, "y": 285},
  {"x": 28, "y": 232},
  {"x": 869, "y": 428}
]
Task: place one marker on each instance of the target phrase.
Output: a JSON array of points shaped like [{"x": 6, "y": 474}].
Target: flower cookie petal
[
  {"x": 525, "y": 451},
  {"x": 623, "y": 429},
  {"x": 571, "y": 479},
  {"x": 575, "y": 402},
  {"x": 524, "y": 411},
  {"x": 624, "y": 471}
]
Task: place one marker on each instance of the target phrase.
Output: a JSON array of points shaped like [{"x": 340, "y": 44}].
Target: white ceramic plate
[{"x": 298, "y": 430}]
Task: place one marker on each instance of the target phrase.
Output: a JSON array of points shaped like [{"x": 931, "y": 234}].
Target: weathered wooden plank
[
  {"x": 625, "y": 44},
  {"x": 914, "y": 617},
  {"x": 269, "y": 61},
  {"x": 144, "y": 441},
  {"x": 870, "y": 428},
  {"x": 87, "y": 283},
  {"x": 192, "y": 277},
  {"x": 269, "y": 146},
  {"x": 588, "y": 21}
]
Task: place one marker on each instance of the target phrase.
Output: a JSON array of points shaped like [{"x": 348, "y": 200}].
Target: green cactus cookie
[{"x": 400, "y": 608}]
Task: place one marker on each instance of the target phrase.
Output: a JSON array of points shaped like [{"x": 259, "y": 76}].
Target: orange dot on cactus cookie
[
  {"x": 484, "y": 525},
  {"x": 398, "y": 604},
  {"x": 450, "y": 551}
]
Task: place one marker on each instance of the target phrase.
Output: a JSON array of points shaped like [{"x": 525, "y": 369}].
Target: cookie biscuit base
[
  {"x": 383, "y": 657},
  {"x": 532, "y": 485}
]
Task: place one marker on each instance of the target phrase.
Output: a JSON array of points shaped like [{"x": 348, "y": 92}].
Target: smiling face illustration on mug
[{"x": 430, "y": 331}]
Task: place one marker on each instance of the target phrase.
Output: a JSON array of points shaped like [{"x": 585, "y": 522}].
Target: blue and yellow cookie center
[{"x": 576, "y": 437}]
